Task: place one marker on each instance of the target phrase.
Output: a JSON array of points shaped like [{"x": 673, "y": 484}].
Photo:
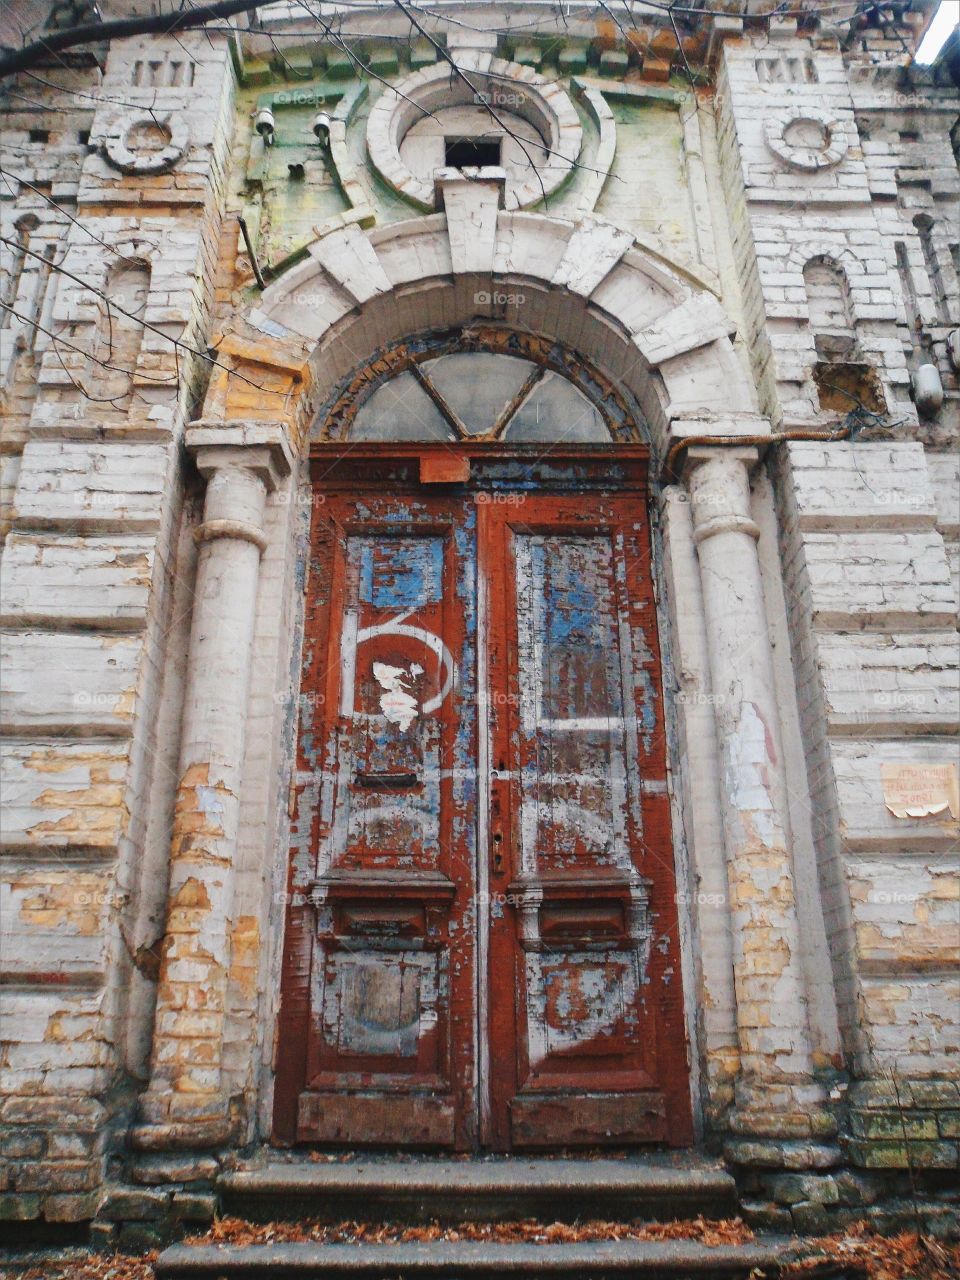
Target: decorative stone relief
[
  {"x": 147, "y": 143},
  {"x": 808, "y": 138}
]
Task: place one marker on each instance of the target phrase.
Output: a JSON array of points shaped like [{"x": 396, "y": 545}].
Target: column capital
[
  {"x": 696, "y": 440},
  {"x": 718, "y": 481},
  {"x": 260, "y": 447}
]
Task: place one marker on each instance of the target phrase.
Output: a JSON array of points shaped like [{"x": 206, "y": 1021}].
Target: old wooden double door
[{"x": 481, "y": 943}]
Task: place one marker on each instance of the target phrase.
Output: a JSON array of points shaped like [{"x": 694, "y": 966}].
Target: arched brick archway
[{"x": 654, "y": 331}]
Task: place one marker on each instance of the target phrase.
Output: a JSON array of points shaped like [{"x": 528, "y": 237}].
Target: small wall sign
[{"x": 920, "y": 790}]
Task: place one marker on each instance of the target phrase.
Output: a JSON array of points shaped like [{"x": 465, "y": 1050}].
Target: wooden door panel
[
  {"x": 384, "y": 816},
  {"x": 588, "y": 1036},
  {"x": 524, "y": 992}
]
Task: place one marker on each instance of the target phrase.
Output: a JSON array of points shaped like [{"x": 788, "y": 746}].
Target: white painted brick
[
  {"x": 865, "y": 823},
  {"x": 52, "y": 921},
  {"x": 861, "y": 486},
  {"x": 890, "y": 580},
  {"x": 891, "y": 683},
  {"x": 57, "y": 580},
  {"x": 91, "y": 487},
  {"x": 64, "y": 682},
  {"x": 63, "y": 797}
]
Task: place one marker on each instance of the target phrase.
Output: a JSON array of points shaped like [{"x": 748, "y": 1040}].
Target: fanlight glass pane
[
  {"x": 556, "y": 412},
  {"x": 400, "y": 410},
  {"x": 478, "y": 385}
]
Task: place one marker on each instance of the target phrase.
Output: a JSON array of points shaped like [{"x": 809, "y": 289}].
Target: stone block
[
  {"x": 103, "y": 1236},
  {"x": 24, "y": 1144},
  {"x": 614, "y": 63},
  {"x": 56, "y": 580},
  {"x": 63, "y": 796},
  {"x": 528, "y": 55},
  {"x": 864, "y": 486},
  {"x": 256, "y": 72},
  {"x": 766, "y": 1216},
  {"x": 297, "y": 64},
  {"x": 795, "y": 1188},
  {"x": 572, "y": 61},
  {"x": 895, "y": 1155},
  {"x": 140, "y": 1205},
  {"x": 70, "y": 1208},
  {"x": 893, "y": 1126},
  {"x": 811, "y": 1218},
  {"x": 69, "y": 683},
  {"x": 857, "y": 1189},
  {"x": 194, "y": 1206},
  {"x": 91, "y": 487},
  {"x": 60, "y": 1175},
  {"x": 340, "y": 65},
  {"x": 865, "y": 822},
  {"x": 383, "y": 60},
  {"x": 158, "y": 1170},
  {"x": 657, "y": 69},
  {"x": 19, "y": 1208},
  {"x": 422, "y": 54},
  {"x": 142, "y": 1237}
]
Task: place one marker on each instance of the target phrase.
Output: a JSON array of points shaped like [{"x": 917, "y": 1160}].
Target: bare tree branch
[{"x": 158, "y": 24}]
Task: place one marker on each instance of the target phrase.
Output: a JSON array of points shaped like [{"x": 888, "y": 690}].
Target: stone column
[
  {"x": 776, "y": 1095},
  {"x": 185, "y": 1104}
]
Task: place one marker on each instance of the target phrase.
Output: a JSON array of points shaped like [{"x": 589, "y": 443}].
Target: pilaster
[{"x": 185, "y": 1104}]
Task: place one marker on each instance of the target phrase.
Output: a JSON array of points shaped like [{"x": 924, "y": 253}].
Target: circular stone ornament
[
  {"x": 486, "y": 81},
  {"x": 807, "y": 156},
  {"x": 126, "y": 152}
]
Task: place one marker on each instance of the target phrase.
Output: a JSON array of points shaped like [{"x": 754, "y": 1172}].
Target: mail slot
[
  {"x": 582, "y": 920},
  {"x": 386, "y": 781},
  {"x": 396, "y": 919}
]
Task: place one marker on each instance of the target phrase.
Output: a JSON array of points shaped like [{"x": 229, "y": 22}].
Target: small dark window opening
[
  {"x": 39, "y": 135},
  {"x": 466, "y": 153},
  {"x": 83, "y": 137}
]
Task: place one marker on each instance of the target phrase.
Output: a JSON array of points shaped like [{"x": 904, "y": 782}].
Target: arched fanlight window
[
  {"x": 479, "y": 395},
  {"x": 479, "y": 384}
]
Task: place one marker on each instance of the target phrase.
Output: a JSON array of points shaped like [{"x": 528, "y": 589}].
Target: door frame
[{"x": 422, "y": 467}]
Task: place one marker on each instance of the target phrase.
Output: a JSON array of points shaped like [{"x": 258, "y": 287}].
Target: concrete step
[
  {"x": 667, "y": 1260},
  {"x": 649, "y": 1188}
]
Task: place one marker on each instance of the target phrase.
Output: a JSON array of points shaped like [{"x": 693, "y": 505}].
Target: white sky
[{"x": 948, "y": 16}]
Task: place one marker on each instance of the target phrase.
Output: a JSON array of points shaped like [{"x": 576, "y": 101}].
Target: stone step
[
  {"x": 646, "y": 1188},
  {"x": 660, "y": 1260}
]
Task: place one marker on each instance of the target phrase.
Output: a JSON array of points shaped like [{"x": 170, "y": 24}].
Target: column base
[{"x": 177, "y": 1121}]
